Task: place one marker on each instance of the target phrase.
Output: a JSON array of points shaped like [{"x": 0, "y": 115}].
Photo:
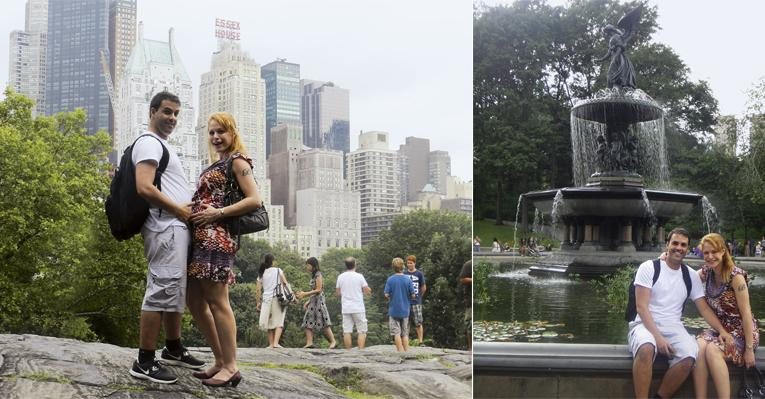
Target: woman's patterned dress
[{"x": 316, "y": 315}]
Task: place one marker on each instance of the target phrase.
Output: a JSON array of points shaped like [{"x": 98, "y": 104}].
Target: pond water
[{"x": 526, "y": 308}]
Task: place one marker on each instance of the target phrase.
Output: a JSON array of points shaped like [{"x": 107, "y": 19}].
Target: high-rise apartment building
[
  {"x": 77, "y": 32},
  {"x": 122, "y": 36},
  {"x": 324, "y": 203},
  {"x": 27, "y": 55},
  {"x": 282, "y": 95},
  {"x": 286, "y": 144},
  {"x": 373, "y": 172},
  {"x": 234, "y": 85},
  {"x": 439, "y": 169},
  {"x": 416, "y": 151},
  {"x": 326, "y": 115},
  {"x": 155, "y": 66}
]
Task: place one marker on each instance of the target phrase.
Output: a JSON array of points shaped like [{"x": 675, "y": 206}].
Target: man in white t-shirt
[
  {"x": 351, "y": 287},
  {"x": 166, "y": 241},
  {"x": 658, "y": 326}
]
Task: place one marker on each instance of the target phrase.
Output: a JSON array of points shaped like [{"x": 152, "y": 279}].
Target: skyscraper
[
  {"x": 27, "y": 58},
  {"x": 122, "y": 36},
  {"x": 324, "y": 203},
  {"x": 373, "y": 173},
  {"x": 326, "y": 115},
  {"x": 282, "y": 95},
  {"x": 155, "y": 66},
  {"x": 416, "y": 151},
  {"x": 234, "y": 85},
  {"x": 439, "y": 169},
  {"x": 77, "y": 32},
  {"x": 286, "y": 144}
]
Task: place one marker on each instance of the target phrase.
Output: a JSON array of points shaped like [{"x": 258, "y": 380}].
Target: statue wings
[{"x": 629, "y": 22}]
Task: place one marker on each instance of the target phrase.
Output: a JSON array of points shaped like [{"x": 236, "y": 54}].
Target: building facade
[
  {"x": 286, "y": 144},
  {"x": 416, "y": 152},
  {"x": 439, "y": 169},
  {"x": 373, "y": 172},
  {"x": 326, "y": 115},
  {"x": 27, "y": 55},
  {"x": 282, "y": 80},
  {"x": 155, "y": 66},
  {"x": 77, "y": 33}
]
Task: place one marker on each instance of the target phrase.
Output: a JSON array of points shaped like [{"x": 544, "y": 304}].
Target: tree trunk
[{"x": 498, "y": 210}]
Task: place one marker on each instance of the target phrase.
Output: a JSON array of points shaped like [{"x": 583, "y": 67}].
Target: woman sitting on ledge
[{"x": 726, "y": 291}]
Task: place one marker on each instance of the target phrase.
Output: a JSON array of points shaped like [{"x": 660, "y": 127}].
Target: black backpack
[
  {"x": 631, "y": 312},
  {"x": 125, "y": 209}
]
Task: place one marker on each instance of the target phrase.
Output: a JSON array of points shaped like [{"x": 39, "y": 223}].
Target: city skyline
[{"x": 408, "y": 67}]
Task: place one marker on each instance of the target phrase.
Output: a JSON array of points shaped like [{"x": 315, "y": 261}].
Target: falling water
[
  {"x": 709, "y": 213},
  {"x": 515, "y": 230},
  {"x": 647, "y": 206},
  {"x": 555, "y": 214},
  {"x": 536, "y": 227},
  {"x": 648, "y": 131}
]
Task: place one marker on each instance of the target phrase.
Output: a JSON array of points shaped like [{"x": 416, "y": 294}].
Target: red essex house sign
[{"x": 225, "y": 29}]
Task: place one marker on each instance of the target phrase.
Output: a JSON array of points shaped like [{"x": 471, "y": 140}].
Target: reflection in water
[{"x": 519, "y": 301}]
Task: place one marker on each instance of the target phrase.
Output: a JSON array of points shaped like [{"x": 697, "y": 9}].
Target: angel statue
[{"x": 621, "y": 73}]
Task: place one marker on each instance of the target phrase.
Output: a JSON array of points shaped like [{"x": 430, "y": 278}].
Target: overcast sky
[
  {"x": 407, "y": 64},
  {"x": 720, "y": 41}
]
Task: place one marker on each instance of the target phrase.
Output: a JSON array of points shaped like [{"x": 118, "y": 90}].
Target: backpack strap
[
  {"x": 656, "y": 271},
  {"x": 686, "y": 278},
  {"x": 162, "y": 163}
]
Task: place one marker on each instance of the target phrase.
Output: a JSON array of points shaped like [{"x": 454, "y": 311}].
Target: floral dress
[
  {"x": 316, "y": 315},
  {"x": 722, "y": 300},
  {"x": 213, "y": 248}
]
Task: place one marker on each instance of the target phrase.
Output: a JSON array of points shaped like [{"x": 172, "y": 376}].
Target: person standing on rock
[
  {"x": 658, "y": 328},
  {"x": 351, "y": 287},
  {"x": 466, "y": 281},
  {"x": 399, "y": 289},
  {"x": 418, "y": 280},
  {"x": 166, "y": 240}
]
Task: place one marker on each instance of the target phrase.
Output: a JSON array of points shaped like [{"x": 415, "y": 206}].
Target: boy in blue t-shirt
[{"x": 399, "y": 291}]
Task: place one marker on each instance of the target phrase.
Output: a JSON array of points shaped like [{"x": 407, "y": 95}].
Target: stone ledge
[{"x": 506, "y": 370}]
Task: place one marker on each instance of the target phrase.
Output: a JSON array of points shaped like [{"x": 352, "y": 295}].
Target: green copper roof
[{"x": 147, "y": 52}]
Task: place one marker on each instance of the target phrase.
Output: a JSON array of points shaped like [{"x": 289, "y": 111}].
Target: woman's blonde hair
[
  {"x": 717, "y": 243},
  {"x": 227, "y": 122}
]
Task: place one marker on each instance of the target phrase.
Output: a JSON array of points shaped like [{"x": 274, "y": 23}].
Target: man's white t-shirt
[
  {"x": 669, "y": 292},
  {"x": 174, "y": 183},
  {"x": 351, "y": 284},
  {"x": 269, "y": 280}
]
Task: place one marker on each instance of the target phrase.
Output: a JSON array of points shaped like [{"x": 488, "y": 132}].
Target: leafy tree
[
  {"x": 441, "y": 242},
  {"x": 62, "y": 274}
]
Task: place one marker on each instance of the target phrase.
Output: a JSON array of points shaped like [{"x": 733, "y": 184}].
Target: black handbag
[
  {"x": 251, "y": 222},
  {"x": 283, "y": 292},
  {"x": 752, "y": 384}
]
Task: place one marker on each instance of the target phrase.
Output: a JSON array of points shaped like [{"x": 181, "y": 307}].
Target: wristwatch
[
  {"x": 750, "y": 346},
  {"x": 221, "y": 211}
]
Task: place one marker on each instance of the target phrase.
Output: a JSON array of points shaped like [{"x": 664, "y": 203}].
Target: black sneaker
[
  {"x": 184, "y": 359},
  {"x": 152, "y": 371}
]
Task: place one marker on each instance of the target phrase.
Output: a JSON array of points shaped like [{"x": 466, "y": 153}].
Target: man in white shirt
[
  {"x": 166, "y": 241},
  {"x": 351, "y": 287},
  {"x": 658, "y": 327}
]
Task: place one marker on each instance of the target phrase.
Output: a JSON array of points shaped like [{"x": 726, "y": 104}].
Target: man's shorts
[
  {"x": 415, "y": 314},
  {"x": 398, "y": 326},
  {"x": 167, "y": 255},
  {"x": 357, "y": 319},
  {"x": 676, "y": 334}
]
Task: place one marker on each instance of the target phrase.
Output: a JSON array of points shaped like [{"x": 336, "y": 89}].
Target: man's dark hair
[
  {"x": 680, "y": 231},
  {"x": 156, "y": 101},
  {"x": 350, "y": 263}
]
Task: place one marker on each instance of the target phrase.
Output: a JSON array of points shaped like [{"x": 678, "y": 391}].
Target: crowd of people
[{"x": 190, "y": 253}]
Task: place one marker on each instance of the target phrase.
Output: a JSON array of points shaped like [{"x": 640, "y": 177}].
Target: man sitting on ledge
[{"x": 658, "y": 325}]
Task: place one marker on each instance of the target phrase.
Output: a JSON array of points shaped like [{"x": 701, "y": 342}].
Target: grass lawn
[{"x": 487, "y": 231}]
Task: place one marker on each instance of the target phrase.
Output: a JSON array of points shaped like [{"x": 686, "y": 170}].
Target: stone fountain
[{"x": 610, "y": 218}]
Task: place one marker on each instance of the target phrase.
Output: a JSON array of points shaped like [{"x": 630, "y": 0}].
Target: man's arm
[
  {"x": 337, "y": 291},
  {"x": 642, "y": 298},
  {"x": 144, "y": 183},
  {"x": 366, "y": 290}
]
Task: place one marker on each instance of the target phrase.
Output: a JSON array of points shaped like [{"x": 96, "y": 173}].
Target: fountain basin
[
  {"x": 598, "y": 202},
  {"x": 618, "y": 108}
]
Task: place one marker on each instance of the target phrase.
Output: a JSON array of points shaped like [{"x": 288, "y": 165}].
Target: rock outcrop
[{"x": 38, "y": 367}]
